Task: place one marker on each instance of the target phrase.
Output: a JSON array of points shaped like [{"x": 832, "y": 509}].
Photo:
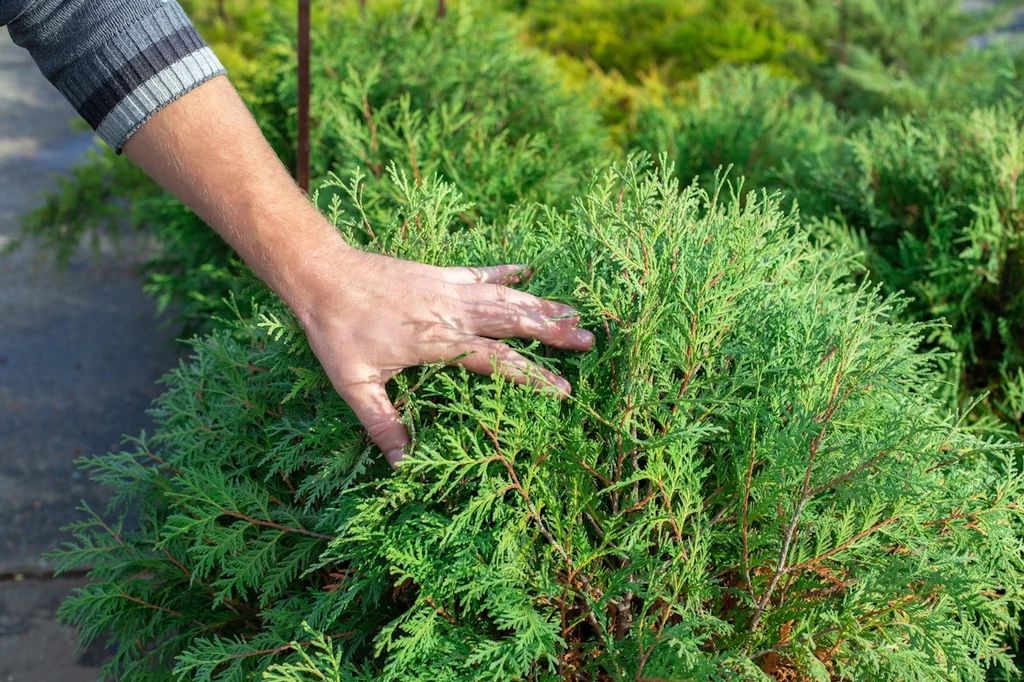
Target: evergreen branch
[
  {"x": 286, "y": 647},
  {"x": 780, "y": 569},
  {"x": 839, "y": 548},
  {"x": 156, "y": 607},
  {"x": 232, "y": 605},
  {"x": 517, "y": 486},
  {"x": 276, "y": 526},
  {"x": 849, "y": 474},
  {"x": 571, "y": 573}
]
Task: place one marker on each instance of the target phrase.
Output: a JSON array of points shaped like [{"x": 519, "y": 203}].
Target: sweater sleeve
[{"x": 117, "y": 61}]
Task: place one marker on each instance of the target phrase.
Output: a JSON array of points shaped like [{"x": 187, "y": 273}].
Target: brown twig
[
  {"x": 368, "y": 115},
  {"x": 232, "y": 605},
  {"x": 415, "y": 165},
  {"x": 440, "y": 611},
  {"x": 849, "y": 474},
  {"x": 155, "y": 607},
  {"x": 839, "y": 548},
  {"x": 744, "y": 524},
  {"x": 279, "y": 649},
  {"x": 302, "y": 162},
  {"x": 276, "y": 526},
  {"x": 641, "y": 504}
]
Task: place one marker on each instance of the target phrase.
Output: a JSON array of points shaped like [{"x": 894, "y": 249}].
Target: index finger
[{"x": 494, "y": 274}]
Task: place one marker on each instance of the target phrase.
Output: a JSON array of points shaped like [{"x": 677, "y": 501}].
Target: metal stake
[{"x": 302, "y": 163}]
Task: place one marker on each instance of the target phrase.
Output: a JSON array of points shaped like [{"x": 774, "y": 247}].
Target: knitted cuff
[{"x": 144, "y": 68}]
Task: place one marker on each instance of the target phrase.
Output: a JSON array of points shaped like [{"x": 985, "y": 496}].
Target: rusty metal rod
[{"x": 302, "y": 162}]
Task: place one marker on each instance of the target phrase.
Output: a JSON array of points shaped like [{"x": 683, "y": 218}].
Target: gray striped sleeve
[
  {"x": 117, "y": 61},
  {"x": 149, "y": 97}
]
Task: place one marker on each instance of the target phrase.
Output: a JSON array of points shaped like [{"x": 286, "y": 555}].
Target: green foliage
[
  {"x": 752, "y": 480},
  {"x": 459, "y": 97},
  {"x": 755, "y": 477},
  {"x": 237, "y": 30},
  {"x": 96, "y": 199},
  {"x": 682, "y": 38},
  {"x": 901, "y": 55},
  {"x": 967, "y": 80},
  {"x": 933, "y": 202},
  {"x": 462, "y": 98},
  {"x": 930, "y": 200},
  {"x": 766, "y": 127}
]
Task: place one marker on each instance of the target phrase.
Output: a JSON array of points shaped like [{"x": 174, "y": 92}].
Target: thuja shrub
[
  {"x": 929, "y": 201},
  {"x": 933, "y": 204},
  {"x": 751, "y": 480},
  {"x": 767, "y": 128},
  {"x": 480, "y": 90}
]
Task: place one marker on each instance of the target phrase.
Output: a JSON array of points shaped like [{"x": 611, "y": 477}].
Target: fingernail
[
  {"x": 569, "y": 310},
  {"x": 585, "y": 337},
  {"x": 395, "y": 456},
  {"x": 563, "y": 385}
]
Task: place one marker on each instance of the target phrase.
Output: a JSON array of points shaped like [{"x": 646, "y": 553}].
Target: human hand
[
  {"x": 367, "y": 316},
  {"x": 372, "y": 316}
]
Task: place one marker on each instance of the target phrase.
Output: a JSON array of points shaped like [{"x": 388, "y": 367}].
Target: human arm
[{"x": 140, "y": 74}]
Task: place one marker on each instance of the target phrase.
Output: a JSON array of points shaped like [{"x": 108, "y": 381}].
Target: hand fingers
[
  {"x": 496, "y": 274},
  {"x": 488, "y": 357},
  {"x": 500, "y": 294},
  {"x": 495, "y": 278},
  {"x": 499, "y": 312},
  {"x": 373, "y": 408},
  {"x": 506, "y": 320}
]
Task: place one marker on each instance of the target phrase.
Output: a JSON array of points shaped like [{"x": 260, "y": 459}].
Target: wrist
[{"x": 312, "y": 271}]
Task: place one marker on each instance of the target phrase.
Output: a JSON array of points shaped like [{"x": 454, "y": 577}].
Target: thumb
[{"x": 378, "y": 416}]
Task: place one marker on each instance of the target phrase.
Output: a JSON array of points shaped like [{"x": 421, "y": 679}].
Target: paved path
[{"x": 79, "y": 354}]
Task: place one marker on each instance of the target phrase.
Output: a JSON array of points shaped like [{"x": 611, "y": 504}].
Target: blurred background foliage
[{"x": 866, "y": 56}]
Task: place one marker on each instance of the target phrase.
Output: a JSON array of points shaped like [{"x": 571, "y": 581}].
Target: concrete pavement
[{"x": 79, "y": 354}]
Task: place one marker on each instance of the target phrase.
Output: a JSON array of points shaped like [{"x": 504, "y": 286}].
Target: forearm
[{"x": 206, "y": 149}]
